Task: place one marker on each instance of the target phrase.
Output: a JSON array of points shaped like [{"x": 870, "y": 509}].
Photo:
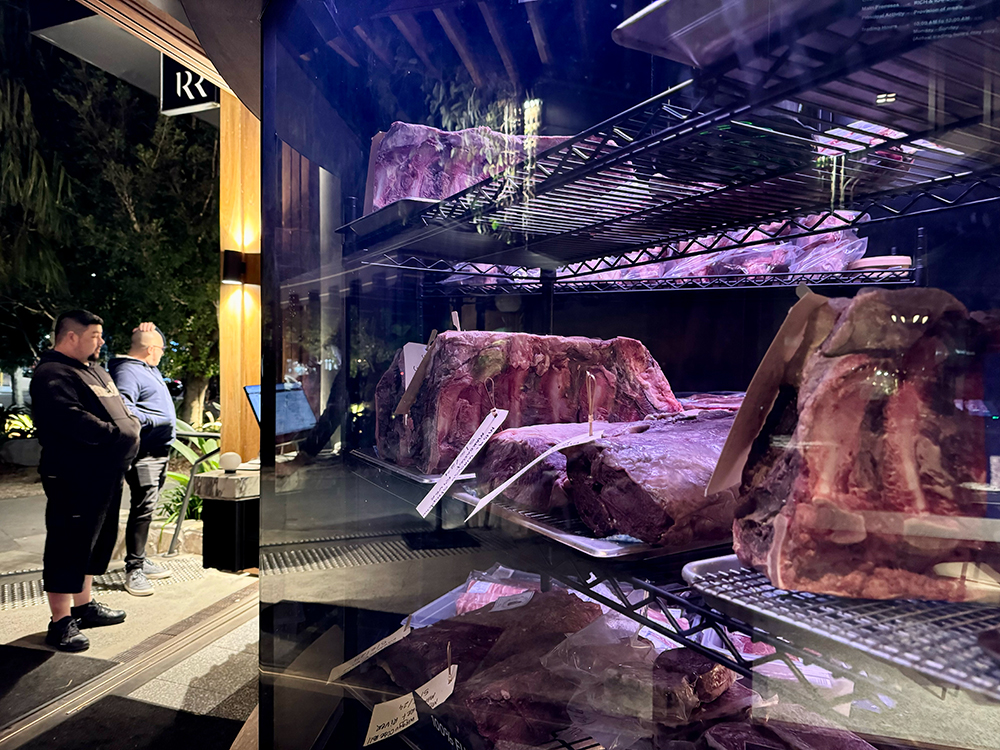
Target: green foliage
[
  {"x": 191, "y": 449},
  {"x": 16, "y": 422},
  {"x": 104, "y": 204}
]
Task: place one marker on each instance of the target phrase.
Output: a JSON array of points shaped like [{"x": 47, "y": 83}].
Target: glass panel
[{"x": 717, "y": 277}]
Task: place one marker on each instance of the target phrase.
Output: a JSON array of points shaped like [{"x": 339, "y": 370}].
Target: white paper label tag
[
  {"x": 569, "y": 443},
  {"x": 413, "y": 355},
  {"x": 337, "y": 672},
  {"x": 512, "y": 602},
  {"x": 439, "y": 688},
  {"x": 479, "y": 587},
  {"x": 390, "y": 718},
  {"x": 490, "y": 425}
]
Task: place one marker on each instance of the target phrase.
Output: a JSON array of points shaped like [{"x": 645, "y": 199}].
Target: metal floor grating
[
  {"x": 937, "y": 639},
  {"x": 31, "y": 594},
  {"x": 332, "y": 557}
]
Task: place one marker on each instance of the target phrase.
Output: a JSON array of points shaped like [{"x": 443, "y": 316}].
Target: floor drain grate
[
  {"x": 31, "y": 594},
  {"x": 357, "y": 555}
]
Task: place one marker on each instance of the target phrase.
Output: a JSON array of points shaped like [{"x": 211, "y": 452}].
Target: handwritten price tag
[
  {"x": 337, "y": 672},
  {"x": 490, "y": 425},
  {"x": 512, "y": 602},
  {"x": 568, "y": 443},
  {"x": 439, "y": 688},
  {"x": 390, "y": 718},
  {"x": 413, "y": 355}
]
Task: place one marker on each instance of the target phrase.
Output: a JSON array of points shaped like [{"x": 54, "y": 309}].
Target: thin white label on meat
[
  {"x": 569, "y": 443},
  {"x": 337, "y": 672},
  {"x": 439, "y": 688},
  {"x": 490, "y": 425},
  {"x": 390, "y": 718},
  {"x": 413, "y": 355},
  {"x": 512, "y": 602},
  {"x": 479, "y": 587}
]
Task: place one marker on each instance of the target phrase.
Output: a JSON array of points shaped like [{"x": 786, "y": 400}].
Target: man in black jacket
[
  {"x": 146, "y": 395},
  {"x": 89, "y": 438}
]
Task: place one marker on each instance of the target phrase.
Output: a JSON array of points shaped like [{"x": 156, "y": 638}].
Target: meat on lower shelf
[
  {"x": 539, "y": 379},
  {"x": 649, "y": 481},
  {"x": 870, "y": 471},
  {"x": 417, "y": 161}
]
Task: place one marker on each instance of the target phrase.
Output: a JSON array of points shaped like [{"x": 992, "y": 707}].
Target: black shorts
[{"x": 81, "y": 527}]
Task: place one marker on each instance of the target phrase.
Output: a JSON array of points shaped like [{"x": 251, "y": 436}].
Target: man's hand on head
[{"x": 144, "y": 327}]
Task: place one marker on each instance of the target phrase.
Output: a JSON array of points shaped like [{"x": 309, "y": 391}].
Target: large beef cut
[
  {"x": 650, "y": 483},
  {"x": 727, "y": 401},
  {"x": 503, "y": 689},
  {"x": 539, "y": 379},
  {"x": 869, "y": 472},
  {"x": 416, "y": 161},
  {"x": 542, "y": 489},
  {"x": 516, "y": 700},
  {"x": 483, "y": 637}
]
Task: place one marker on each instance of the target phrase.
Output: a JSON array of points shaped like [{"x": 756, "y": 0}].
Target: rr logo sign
[
  {"x": 185, "y": 79},
  {"x": 183, "y": 91}
]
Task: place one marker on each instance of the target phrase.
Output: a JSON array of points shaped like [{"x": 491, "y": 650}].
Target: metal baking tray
[
  {"x": 936, "y": 639},
  {"x": 378, "y": 232},
  {"x": 402, "y": 471},
  {"x": 571, "y": 532}
]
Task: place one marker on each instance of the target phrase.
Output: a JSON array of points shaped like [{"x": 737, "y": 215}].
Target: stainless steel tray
[
  {"x": 402, "y": 471},
  {"x": 573, "y": 532},
  {"x": 936, "y": 639}
]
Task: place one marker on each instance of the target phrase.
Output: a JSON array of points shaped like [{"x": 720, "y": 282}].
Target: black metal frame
[
  {"x": 630, "y": 190},
  {"x": 704, "y": 618}
]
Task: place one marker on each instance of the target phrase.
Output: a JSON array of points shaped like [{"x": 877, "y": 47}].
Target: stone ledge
[{"x": 158, "y": 543}]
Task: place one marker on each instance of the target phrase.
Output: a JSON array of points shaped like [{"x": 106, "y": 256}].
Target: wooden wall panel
[
  {"x": 239, "y": 305},
  {"x": 159, "y": 29}
]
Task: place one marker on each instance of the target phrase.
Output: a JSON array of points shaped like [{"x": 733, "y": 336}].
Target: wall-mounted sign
[{"x": 183, "y": 91}]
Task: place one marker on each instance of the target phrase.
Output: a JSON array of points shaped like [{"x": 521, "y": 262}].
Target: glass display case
[{"x": 644, "y": 366}]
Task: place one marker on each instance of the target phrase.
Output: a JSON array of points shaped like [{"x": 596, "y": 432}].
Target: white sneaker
[
  {"x": 137, "y": 584},
  {"x": 155, "y": 572}
]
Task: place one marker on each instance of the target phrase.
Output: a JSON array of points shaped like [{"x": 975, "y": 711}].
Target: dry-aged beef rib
[
  {"x": 543, "y": 488},
  {"x": 416, "y": 161},
  {"x": 650, "y": 484},
  {"x": 539, "y": 379},
  {"x": 869, "y": 474}
]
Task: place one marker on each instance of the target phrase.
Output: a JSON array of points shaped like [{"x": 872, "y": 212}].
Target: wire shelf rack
[
  {"x": 807, "y": 128},
  {"x": 899, "y": 277},
  {"x": 936, "y": 639}
]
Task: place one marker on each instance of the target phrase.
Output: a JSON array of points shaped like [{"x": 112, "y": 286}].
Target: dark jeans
[
  {"x": 145, "y": 480},
  {"x": 81, "y": 526}
]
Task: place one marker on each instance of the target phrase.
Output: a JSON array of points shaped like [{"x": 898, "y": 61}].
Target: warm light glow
[
  {"x": 249, "y": 235},
  {"x": 231, "y": 282}
]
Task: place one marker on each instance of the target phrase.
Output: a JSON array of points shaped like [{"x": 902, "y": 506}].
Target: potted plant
[{"x": 18, "y": 437}]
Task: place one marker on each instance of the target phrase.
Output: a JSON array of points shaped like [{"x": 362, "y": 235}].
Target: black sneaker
[
  {"x": 94, "y": 615},
  {"x": 65, "y": 635}
]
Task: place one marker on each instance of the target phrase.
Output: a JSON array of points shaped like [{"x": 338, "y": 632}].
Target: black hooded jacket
[{"x": 82, "y": 421}]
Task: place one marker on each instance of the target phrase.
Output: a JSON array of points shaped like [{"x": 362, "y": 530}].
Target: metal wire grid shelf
[
  {"x": 935, "y": 639},
  {"x": 485, "y": 280},
  {"x": 701, "y": 619},
  {"x": 799, "y": 142},
  {"x": 899, "y": 277}
]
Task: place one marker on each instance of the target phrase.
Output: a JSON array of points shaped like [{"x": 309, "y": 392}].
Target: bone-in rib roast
[
  {"x": 539, "y": 379},
  {"x": 416, "y": 161},
  {"x": 869, "y": 473}
]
